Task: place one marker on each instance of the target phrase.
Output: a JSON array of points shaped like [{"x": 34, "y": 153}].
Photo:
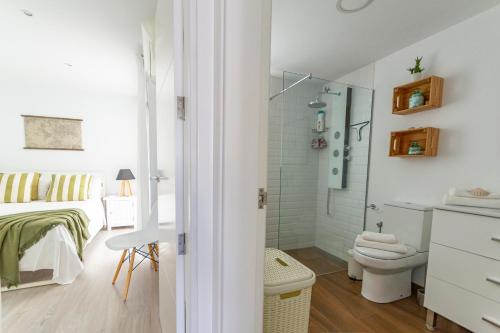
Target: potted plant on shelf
[{"x": 417, "y": 70}]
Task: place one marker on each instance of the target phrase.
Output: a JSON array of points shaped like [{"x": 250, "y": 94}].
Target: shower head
[{"x": 317, "y": 103}]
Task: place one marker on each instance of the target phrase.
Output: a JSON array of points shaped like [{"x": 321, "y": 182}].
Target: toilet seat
[
  {"x": 385, "y": 255},
  {"x": 390, "y": 261}
]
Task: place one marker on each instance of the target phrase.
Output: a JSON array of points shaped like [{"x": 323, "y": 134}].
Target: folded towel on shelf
[
  {"x": 472, "y": 193},
  {"x": 379, "y": 237},
  {"x": 471, "y": 202},
  {"x": 398, "y": 247}
]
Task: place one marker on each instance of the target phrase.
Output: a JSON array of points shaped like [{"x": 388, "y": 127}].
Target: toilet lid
[{"x": 381, "y": 254}]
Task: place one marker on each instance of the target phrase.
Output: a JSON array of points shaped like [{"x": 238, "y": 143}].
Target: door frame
[
  {"x": 181, "y": 81},
  {"x": 227, "y": 55}
]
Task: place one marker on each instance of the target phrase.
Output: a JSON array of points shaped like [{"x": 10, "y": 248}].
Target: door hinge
[
  {"x": 181, "y": 107},
  {"x": 261, "y": 198},
  {"x": 181, "y": 244}
]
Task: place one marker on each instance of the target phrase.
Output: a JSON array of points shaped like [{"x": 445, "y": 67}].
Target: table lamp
[{"x": 124, "y": 176}]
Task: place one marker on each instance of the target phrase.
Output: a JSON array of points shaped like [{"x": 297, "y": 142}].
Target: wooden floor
[
  {"x": 337, "y": 306},
  {"x": 91, "y": 303},
  {"x": 319, "y": 261}
]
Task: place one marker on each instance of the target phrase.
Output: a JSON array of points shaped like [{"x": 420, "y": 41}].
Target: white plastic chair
[{"x": 131, "y": 244}]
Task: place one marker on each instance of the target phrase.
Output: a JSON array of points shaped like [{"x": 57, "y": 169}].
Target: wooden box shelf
[
  {"x": 427, "y": 138},
  {"x": 432, "y": 89}
]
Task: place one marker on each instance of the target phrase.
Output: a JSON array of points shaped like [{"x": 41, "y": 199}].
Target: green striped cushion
[
  {"x": 34, "y": 186},
  {"x": 16, "y": 187},
  {"x": 69, "y": 187}
]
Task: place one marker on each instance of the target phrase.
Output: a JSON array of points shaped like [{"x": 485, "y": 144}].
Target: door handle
[
  {"x": 158, "y": 178},
  {"x": 495, "y": 238}
]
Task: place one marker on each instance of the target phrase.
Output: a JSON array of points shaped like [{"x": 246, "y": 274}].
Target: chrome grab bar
[{"x": 491, "y": 321}]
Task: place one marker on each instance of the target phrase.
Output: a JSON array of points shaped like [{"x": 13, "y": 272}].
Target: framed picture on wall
[{"x": 52, "y": 133}]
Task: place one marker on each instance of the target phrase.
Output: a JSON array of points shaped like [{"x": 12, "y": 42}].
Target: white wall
[
  {"x": 109, "y": 127},
  {"x": 469, "y": 155}
]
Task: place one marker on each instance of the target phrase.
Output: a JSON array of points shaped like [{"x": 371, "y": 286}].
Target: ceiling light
[
  {"x": 341, "y": 6},
  {"x": 26, "y": 12}
]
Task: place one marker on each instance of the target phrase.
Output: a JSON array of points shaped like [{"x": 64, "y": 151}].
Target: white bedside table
[{"x": 120, "y": 211}]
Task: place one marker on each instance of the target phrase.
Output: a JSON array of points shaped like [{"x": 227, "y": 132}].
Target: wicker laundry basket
[{"x": 287, "y": 293}]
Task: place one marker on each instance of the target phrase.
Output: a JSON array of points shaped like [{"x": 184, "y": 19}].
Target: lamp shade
[{"x": 125, "y": 174}]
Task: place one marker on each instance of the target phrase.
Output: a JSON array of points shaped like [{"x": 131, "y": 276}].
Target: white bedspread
[{"x": 57, "y": 250}]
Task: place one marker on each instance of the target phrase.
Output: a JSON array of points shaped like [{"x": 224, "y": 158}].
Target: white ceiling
[
  {"x": 101, "y": 39},
  {"x": 312, "y": 36}
]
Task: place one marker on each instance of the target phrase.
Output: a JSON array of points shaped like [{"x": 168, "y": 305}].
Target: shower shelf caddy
[
  {"x": 432, "y": 89},
  {"x": 427, "y": 138}
]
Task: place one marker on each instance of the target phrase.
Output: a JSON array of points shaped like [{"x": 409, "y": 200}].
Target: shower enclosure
[{"x": 319, "y": 139}]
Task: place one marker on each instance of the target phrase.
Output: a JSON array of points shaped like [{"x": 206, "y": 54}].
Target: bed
[{"x": 56, "y": 251}]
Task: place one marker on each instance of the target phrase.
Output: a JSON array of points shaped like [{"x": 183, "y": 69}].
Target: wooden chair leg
[
  {"x": 430, "y": 322},
  {"x": 129, "y": 275},
  {"x": 119, "y": 267},
  {"x": 152, "y": 259}
]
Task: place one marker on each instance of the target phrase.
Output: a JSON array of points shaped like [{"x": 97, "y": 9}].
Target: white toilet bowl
[{"x": 387, "y": 275}]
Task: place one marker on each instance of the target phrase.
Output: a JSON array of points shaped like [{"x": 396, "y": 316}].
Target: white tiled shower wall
[
  {"x": 304, "y": 175},
  {"x": 299, "y": 168}
]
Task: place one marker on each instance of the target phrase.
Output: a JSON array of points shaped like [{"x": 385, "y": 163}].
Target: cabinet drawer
[
  {"x": 467, "y": 309},
  {"x": 472, "y": 272},
  {"x": 469, "y": 232}
]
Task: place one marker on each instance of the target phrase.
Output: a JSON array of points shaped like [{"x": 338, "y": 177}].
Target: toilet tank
[{"x": 411, "y": 223}]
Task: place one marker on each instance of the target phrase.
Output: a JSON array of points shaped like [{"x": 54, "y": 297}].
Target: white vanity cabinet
[{"x": 463, "y": 274}]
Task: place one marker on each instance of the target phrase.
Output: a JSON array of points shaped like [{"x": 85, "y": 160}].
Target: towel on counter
[
  {"x": 471, "y": 202},
  {"x": 454, "y": 192},
  {"x": 398, "y": 247},
  {"x": 379, "y": 237}
]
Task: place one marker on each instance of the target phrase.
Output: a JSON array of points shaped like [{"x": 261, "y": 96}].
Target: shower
[{"x": 317, "y": 102}]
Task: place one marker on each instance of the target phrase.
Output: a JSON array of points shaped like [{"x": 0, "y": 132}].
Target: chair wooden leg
[
  {"x": 119, "y": 267},
  {"x": 129, "y": 275},
  {"x": 157, "y": 248},
  {"x": 430, "y": 322},
  {"x": 152, "y": 259}
]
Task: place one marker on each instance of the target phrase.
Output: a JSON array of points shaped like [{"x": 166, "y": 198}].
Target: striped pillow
[
  {"x": 34, "y": 186},
  {"x": 69, "y": 187},
  {"x": 16, "y": 187}
]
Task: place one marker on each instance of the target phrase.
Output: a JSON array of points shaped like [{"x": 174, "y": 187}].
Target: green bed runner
[{"x": 18, "y": 232}]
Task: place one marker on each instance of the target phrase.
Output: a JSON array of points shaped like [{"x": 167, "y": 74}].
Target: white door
[{"x": 166, "y": 162}]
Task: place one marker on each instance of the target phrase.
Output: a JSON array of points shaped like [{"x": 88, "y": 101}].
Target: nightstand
[{"x": 120, "y": 211}]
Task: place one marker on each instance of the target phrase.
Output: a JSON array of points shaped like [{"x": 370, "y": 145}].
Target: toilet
[{"x": 387, "y": 276}]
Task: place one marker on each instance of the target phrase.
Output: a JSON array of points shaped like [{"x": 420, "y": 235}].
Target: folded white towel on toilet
[
  {"x": 398, "y": 247},
  {"x": 455, "y": 192},
  {"x": 471, "y": 202},
  {"x": 379, "y": 237}
]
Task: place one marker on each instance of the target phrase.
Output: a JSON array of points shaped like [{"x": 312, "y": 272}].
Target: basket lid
[{"x": 282, "y": 270}]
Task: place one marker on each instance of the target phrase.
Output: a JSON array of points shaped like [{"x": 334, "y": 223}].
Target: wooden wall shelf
[
  {"x": 427, "y": 138},
  {"x": 432, "y": 89}
]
